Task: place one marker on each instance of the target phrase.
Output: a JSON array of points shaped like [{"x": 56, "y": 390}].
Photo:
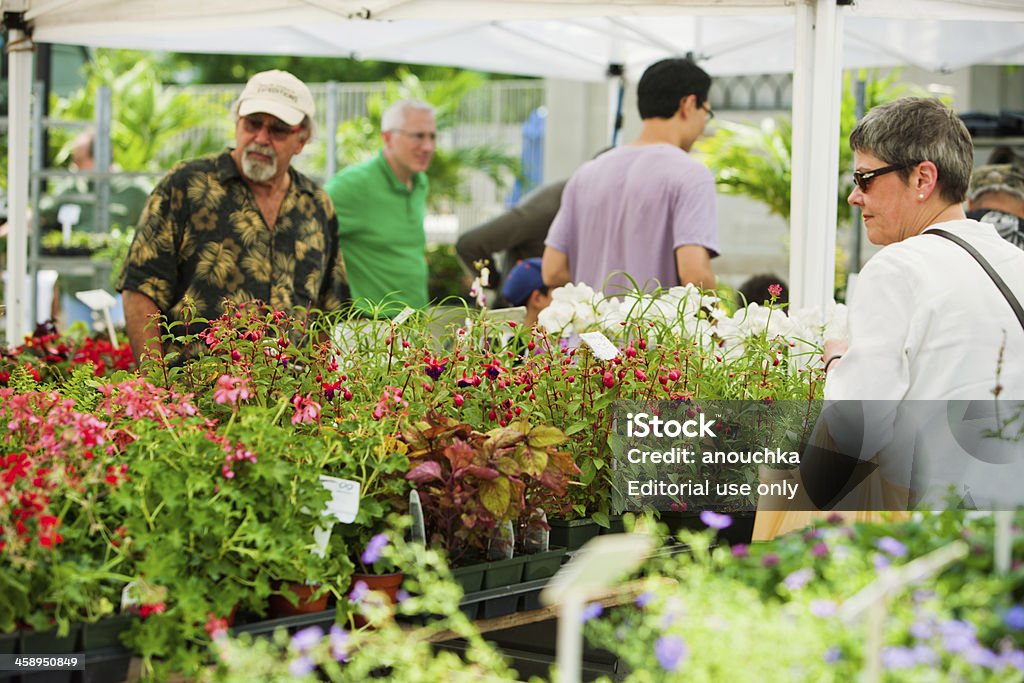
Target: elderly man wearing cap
[
  {"x": 996, "y": 196},
  {"x": 381, "y": 204},
  {"x": 240, "y": 225},
  {"x": 524, "y": 286}
]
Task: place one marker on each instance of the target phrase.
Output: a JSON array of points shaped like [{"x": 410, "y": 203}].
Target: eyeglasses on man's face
[
  {"x": 277, "y": 129},
  {"x": 419, "y": 138},
  {"x": 708, "y": 110},
  {"x": 862, "y": 179}
]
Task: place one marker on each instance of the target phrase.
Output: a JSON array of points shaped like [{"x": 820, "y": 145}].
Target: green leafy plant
[
  {"x": 151, "y": 123},
  {"x": 470, "y": 483}
]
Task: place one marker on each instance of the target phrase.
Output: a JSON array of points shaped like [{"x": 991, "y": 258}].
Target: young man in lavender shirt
[{"x": 645, "y": 210}]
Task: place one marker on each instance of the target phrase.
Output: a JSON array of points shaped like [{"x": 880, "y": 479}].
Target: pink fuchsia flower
[
  {"x": 306, "y": 409},
  {"x": 231, "y": 390},
  {"x": 434, "y": 367},
  {"x": 820, "y": 549},
  {"x": 775, "y": 290},
  {"x": 609, "y": 379}
]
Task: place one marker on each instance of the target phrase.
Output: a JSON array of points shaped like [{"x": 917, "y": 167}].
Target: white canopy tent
[
  {"x": 581, "y": 48},
  {"x": 558, "y": 38}
]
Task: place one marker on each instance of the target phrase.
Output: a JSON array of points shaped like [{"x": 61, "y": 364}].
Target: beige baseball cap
[
  {"x": 279, "y": 94},
  {"x": 997, "y": 178}
]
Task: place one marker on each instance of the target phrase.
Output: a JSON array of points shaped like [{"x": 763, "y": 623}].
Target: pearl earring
[{"x": 920, "y": 196}]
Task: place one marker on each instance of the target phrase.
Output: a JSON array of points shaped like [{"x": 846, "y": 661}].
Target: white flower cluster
[{"x": 687, "y": 313}]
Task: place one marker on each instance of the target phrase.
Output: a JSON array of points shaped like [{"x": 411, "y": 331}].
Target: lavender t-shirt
[{"x": 628, "y": 210}]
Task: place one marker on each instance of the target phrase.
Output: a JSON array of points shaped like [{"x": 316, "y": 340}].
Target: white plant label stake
[
  {"x": 342, "y": 507},
  {"x": 403, "y": 316},
  {"x": 600, "y": 345}
]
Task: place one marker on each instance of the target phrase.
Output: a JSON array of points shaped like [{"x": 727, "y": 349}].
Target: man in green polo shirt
[{"x": 380, "y": 205}]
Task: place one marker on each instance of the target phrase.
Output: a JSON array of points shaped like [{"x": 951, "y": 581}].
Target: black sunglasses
[{"x": 863, "y": 178}]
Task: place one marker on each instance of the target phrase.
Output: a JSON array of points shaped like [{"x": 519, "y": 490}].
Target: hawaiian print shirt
[{"x": 202, "y": 238}]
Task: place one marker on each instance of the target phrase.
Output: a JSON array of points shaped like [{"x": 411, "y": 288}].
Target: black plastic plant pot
[
  {"x": 543, "y": 565},
  {"x": 615, "y": 526},
  {"x": 49, "y": 643},
  {"x": 572, "y": 534},
  {"x": 105, "y": 632},
  {"x": 504, "y": 572},
  {"x": 470, "y": 577}
]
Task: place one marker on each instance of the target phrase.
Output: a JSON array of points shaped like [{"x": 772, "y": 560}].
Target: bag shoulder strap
[{"x": 1010, "y": 298}]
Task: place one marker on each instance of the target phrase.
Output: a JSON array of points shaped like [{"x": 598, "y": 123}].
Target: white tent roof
[
  {"x": 806, "y": 34},
  {"x": 582, "y": 48}
]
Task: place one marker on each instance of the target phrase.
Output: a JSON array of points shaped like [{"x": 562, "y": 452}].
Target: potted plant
[
  {"x": 472, "y": 483},
  {"x": 216, "y": 514}
]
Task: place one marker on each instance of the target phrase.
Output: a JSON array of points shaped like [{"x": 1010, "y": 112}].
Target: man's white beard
[{"x": 255, "y": 170}]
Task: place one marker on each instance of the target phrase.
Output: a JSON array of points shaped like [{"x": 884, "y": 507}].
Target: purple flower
[
  {"x": 1014, "y": 658},
  {"x": 898, "y": 658},
  {"x": 888, "y": 544},
  {"x": 833, "y": 655},
  {"x": 358, "y": 591},
  {"x": 374, "y": 548},
  {"x": 823, "y": 608},
  {"x": 798, "y": 579},
  {"x": 435, "y": 369},
  {"x": 740, "y": 550},
  {"x": 958, "y": 636},
  {"x": 923, "y": 629},
  {"x": 592, "y": 611},
  {"x": 820, "y": 549},
  {"x": 715, "y": 520},
  {"x": 769, "y": 560},
  {"x": 307, "y": 638},
  {"x": 880, "y": 561},
  {"x": 402, "y": 595},
  {"x": 982, "y": 656},
  {"x": 301, "y": 666},
  {"x": 1014, "y": 618},
  {"x": 670, "y": 651},
  {"x": 339, "y": 643},
  {"x": 644, "y": 599}
]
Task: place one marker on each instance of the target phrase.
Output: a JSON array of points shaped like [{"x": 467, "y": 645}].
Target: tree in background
[
  {"x": 153, "y": 127},
  {"x": 205, "y": 68},
  {"x": 756, "y": 160}
]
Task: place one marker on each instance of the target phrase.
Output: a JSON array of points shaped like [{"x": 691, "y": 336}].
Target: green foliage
[
  {"x": 222, "y": 68},
  {"x": 753, "y": 161},
  {"x": 446, "y": 280},
  {"x": 756, "y": 160},
  {"x": 383, "y": 648},
  {"x": 696, "y": 609},
  {"x": 151, "y": 124}
]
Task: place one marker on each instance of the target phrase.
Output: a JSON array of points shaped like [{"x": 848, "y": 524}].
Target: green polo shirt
[{"x": 380, "y": 222}]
